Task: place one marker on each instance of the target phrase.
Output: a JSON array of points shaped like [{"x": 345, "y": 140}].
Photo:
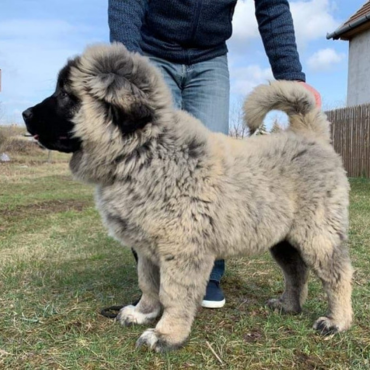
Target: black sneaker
[{"x": 214, "y": 297}]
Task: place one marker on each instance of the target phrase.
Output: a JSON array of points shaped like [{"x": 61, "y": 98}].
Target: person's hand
[{"x": 315, "y": 93}]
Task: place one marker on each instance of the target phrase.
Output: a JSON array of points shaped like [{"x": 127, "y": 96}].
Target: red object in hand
[{"x": 315, "y": 93}]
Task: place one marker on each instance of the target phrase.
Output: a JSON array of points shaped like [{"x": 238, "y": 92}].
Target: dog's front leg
[
  {"x": 183, "y": 281},
  {"x": 149, "y": 306}
]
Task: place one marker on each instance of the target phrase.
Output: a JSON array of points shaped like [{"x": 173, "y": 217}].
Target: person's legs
[
  {"x": 173, "y": 75},
  {"x": 203, "y": 90},
  {"x": 206, "y": 94}
]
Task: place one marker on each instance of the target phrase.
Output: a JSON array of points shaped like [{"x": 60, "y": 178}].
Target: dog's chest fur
[
  {"x": 156, "y": 209},
  {"x": 124, "y": 215}
]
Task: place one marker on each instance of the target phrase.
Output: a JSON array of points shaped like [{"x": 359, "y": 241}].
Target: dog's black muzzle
[{"x": 52, "y": 133}]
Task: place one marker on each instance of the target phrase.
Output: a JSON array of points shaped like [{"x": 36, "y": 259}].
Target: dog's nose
[{"x": 27, "y": 114}]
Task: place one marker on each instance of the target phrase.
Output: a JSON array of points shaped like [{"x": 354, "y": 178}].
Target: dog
[{"x": 182, "y": 196}]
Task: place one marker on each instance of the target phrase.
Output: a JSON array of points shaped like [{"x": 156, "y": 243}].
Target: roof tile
[{"x": 360, "y": 13}]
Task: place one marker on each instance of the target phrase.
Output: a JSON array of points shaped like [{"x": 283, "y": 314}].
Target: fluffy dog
[{"x": 183, "y": 196}]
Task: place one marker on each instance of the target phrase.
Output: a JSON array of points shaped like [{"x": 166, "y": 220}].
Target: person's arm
[
  {"x": 125, "y": 18},
  {"x": 275, "y": 24}
]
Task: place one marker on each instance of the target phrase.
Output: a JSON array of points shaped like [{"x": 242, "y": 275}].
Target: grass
[
  {"x": 24, "y": 151},
  {"x": 58, "y": 268}
]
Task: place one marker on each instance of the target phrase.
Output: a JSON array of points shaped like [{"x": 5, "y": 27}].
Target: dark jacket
[{"x": 191, "y": 31}]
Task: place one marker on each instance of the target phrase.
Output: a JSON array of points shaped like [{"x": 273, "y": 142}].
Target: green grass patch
[{"x": 58, "y": 269}]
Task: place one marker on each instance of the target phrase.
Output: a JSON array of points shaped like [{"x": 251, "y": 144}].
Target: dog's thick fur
[{"x": 183, "y": 196}]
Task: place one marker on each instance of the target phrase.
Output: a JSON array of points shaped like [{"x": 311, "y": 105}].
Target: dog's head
[
  {"x": 106, "y": 96},
  {"x": 51, "y": 120}
]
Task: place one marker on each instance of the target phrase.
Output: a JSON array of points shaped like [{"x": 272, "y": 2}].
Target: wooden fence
[{"x": 350, "y": 131}]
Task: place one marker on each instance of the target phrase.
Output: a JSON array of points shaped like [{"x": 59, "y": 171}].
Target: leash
[{"x": 111, "y": 312}]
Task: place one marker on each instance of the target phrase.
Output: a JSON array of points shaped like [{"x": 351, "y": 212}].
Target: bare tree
[
  {"x": 237, "y": 128},
  {"x": 276, "y": 127}
]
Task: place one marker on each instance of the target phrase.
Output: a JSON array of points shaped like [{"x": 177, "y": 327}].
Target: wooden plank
[{"x": 350, "y": 133}]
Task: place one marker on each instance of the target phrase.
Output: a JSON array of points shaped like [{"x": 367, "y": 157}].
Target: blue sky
[{"x": 38, "y": 36}]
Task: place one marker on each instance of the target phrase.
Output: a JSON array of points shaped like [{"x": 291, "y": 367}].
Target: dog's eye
[{"x": 63, "y": 94}]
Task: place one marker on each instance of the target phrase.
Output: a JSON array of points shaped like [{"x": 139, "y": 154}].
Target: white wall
[{"x": 359, "y": 70}]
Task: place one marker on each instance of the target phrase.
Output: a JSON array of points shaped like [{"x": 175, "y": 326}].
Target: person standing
[{"x": 186, "y": 39}]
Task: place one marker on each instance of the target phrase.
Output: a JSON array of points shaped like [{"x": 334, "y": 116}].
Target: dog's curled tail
[{"x": 293, "y": 99}]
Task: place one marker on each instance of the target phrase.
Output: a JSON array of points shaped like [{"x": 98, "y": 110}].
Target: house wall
[{"x": 359, "y": 70}]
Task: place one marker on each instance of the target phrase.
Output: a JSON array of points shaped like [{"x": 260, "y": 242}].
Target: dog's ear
[
  {"x": 126, "y": 105},
  {"x": 119, "y": 80},
  {"x": 130, "y": 121}
]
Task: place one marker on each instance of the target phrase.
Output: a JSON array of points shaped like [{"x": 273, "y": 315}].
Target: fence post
[{"x": 350, "y": 132}]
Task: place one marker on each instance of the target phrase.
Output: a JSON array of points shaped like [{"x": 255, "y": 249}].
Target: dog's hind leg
[
  {"x": 149, "y": 307},
  {"x": 295, "y": 273},
  {"x": 183, "y": 284},
  {"x": 328, "y": 257},
  {"x": 335, "y": 271}
]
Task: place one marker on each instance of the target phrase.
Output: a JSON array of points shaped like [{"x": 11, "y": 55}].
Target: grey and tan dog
[{"x": 183, "y": 196}]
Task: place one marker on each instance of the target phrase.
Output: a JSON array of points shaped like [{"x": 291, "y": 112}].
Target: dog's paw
[
  {"x": 156, "y": 342},
  {"x": 275, "y": 304},
  {"x": 278, "y": 304},
  {"x": 326, "y": 325},
  {"x": 130, "y": 315}
]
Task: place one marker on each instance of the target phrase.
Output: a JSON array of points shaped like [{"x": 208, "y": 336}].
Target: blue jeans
[{"x": 203, "y": 90}]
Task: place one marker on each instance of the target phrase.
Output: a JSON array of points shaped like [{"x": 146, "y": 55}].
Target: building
[{"x": 356, "y": 30}]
